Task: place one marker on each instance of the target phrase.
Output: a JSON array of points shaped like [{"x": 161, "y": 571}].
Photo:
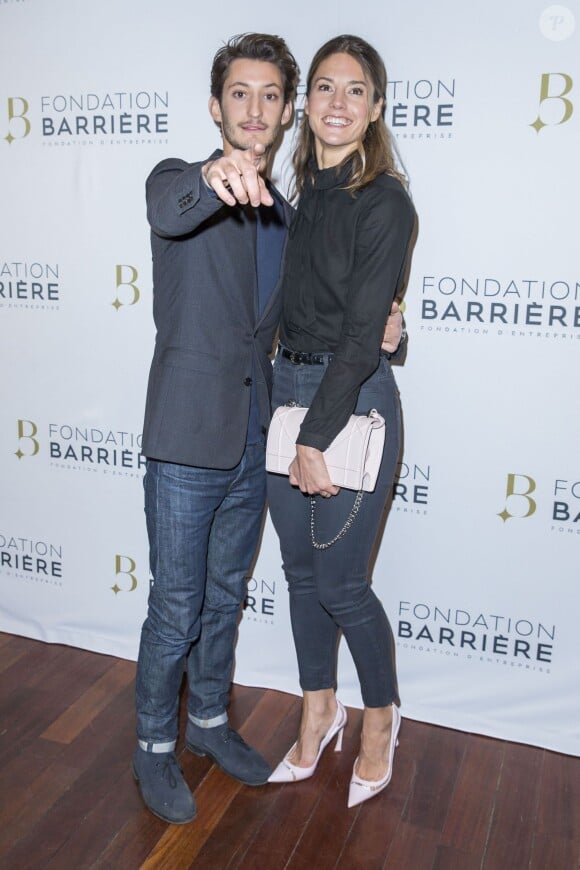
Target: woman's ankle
[{"x": 319, "y": 705}]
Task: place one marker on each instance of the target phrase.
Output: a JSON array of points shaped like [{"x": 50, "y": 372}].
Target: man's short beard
[{"x": 230, "y": 137}]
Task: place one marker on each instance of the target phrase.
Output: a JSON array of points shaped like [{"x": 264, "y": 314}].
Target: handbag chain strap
[{"x": 349, "y": 521}]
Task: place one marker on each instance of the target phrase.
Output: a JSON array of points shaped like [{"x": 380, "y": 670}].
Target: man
[{"x": 218, "y": 234}]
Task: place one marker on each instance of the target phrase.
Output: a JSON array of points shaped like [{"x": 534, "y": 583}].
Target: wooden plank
[
  {"x": 13, "y": 649},
  {"x": 437, "y": 769},
  {"x": 24, "y": 715},
  {"x": 106, "y": 760},
  {"x": 232, "y": 837},
  {"x": 25, "y": 806},
  {"x": 39, "y": 659},
  {"x": 413, "y": 848},
  {"x": 31, "y": 777},
  {"x": 555, "y": 853},
  {"x": 448, "y": 858},
  {"x": 83, "y": 711},
  {"x": 84, "y": 846},
  {"x": 7, "y": 639},
  {"x": 129, "y": 847},
  {"x": 516, "y": 807},
  {"x": 559, "y": 809},
  {"x": 471, "y": 807},
  {"x": 42, "y": 693},
  {"x": 243, "y": 699}
]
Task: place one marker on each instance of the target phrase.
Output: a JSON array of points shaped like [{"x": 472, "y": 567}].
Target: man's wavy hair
[
  {"x": 375, "y": 155},
  {"x": 255, "y": 46}
]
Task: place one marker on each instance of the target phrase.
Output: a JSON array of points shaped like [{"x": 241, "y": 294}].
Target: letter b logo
[
  {"x": 554, "y": 104},
  {"x": 124, "y": 567},
  {"x": 26, "y": 432},
  {"x": 518, "y": 492},
  {"x": 18, "y": 123},
  {"x": 126, "y": 277}
]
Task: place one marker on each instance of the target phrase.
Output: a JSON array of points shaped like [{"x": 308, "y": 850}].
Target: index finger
[{"x": 257, "y": 152}]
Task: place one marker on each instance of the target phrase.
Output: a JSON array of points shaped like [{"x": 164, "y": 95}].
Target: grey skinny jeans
[{"x": 329, "y": 589}]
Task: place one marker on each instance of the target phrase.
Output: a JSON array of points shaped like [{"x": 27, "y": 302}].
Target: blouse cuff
[{"x": 312, "y": 439}]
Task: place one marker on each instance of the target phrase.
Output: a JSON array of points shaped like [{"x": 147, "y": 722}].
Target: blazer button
[{"x": 247, "y": 382}]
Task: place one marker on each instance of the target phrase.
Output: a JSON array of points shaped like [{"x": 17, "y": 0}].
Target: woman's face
[{"x": 339, "y": 107}]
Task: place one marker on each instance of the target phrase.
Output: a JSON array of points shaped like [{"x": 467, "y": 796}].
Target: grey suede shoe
[
  {"x": 163, "y": 787},
  {"x": 229, "y": 751}
]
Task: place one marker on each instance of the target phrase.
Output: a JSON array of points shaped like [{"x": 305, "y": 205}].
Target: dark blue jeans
[
  {"x": 329, "y": 589},
  {"x": 203, "y": 526}
]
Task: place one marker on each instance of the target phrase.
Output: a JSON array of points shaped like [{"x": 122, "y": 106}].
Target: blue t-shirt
[{"x": 270, "y": 237}]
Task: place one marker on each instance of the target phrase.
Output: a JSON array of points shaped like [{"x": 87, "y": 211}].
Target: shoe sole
[
  {"x": 155, "y": 813},
  {"x": 197, "y": 750}
]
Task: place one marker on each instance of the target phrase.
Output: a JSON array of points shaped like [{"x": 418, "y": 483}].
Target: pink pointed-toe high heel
[
  {"x": 288, "y": 772},
  {"x": 361, "y": 790}
]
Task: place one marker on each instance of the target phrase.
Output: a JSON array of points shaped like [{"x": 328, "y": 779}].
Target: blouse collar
[{"x": 334, "y": 176}]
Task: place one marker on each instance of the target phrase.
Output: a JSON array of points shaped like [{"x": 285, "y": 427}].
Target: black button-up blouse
[{"x": 345, "y": 263}]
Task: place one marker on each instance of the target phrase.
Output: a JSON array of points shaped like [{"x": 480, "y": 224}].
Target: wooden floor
[{"x": 68, "y": 799}]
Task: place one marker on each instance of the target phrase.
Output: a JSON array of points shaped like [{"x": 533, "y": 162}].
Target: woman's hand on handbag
[{"x": 308, "y": 471}]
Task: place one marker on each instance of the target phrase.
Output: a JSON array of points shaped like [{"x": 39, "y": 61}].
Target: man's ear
[
  {"x": 215, "y": 110},
  {"x": 287, "y": 113}
]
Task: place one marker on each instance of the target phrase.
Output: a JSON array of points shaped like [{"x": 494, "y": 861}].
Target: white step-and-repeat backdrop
[{"x": 478, "y": 566}]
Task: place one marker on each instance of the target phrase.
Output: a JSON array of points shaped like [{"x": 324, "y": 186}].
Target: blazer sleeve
[{"x": 178, "y": 200}]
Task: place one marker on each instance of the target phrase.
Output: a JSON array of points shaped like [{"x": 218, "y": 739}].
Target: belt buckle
[{"x": 295, "y": 357}]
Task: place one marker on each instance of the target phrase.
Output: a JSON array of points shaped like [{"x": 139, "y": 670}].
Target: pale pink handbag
[{"x": 353, "y": 459}]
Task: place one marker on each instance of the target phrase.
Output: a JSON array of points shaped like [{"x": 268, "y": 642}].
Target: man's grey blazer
[{"x": 210, "y": 340}]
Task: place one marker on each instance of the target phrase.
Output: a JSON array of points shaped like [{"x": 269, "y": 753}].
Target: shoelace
[
  {"x": 167, "y": 771},
  {"x": 231, "y": 735}
]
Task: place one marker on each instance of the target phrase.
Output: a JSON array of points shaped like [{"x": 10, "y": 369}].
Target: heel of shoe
[{"x": 338, "y": 744}]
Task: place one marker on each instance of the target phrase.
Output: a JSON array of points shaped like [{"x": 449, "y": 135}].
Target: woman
[{"x": 345, "y": 263}]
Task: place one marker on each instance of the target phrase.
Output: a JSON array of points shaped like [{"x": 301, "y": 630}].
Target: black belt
[{"x": 300, "y": 358}]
